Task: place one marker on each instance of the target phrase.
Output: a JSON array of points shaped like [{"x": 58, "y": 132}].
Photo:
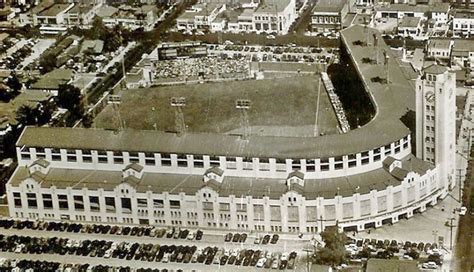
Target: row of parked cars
[
  {"x": 40, "y": 266},
  {"x": 138, "y": 231},
  {"x": 385, "y": 249},
  {"x": 145, "y": 251}
]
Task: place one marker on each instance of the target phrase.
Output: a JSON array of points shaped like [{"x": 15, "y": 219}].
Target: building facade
[
  {"x": 435, "y": 118},
  {"x": 463, "y": 24}
]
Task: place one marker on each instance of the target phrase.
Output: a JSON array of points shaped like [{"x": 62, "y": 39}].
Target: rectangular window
[
  {"x": 47, "y": 201},
  {"x": 17, "y": 199},
  {"x": 224, "y": 206},
  {"x": 87, "y": 159},
  {"x": 25, "y": 156},
  {"x": 126, "y": 205},
  {"x": 338, "y": 166},
  {"x": 142, "y": 202},
  {"x": 63, "y": 204},
  {"x": 118, "y": 157},
  {"x": 207, "y": 206},
  {"x": 325, "y": 167},
  {"x": 110, "y": 204},
  {"x": 55, "y": 154},
  {"x": 214, "y": 161},
  {"x": 31, "y": 199},
  {"x": 94, "y": 203},
  {"x": 377, "y": 157},
  {"x": 133, "y": 157},
  {"x": 78, "y": 203},
  {"x": 175, "y": 204},
  {"x": 71, "y": 158},
  {"x": 241, "y": 207},
  {"x": 365, "y": 161},
  {"x": 158, "y": 203},
  {"x": 352, "y": 164}
]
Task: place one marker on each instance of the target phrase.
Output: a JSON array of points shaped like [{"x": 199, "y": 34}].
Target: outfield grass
[{"x": 210, "y": 107}]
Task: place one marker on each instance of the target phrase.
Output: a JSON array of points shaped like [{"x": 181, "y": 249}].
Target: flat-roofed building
[
  {"x": 199, "y": 16},
  {"x": 328, "y": 15},
  {"x": 463, "y": 23},
  {"x": 274, "y": 16}
]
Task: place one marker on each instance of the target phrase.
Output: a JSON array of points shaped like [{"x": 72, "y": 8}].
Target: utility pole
[{"x": 451, "y": 226}]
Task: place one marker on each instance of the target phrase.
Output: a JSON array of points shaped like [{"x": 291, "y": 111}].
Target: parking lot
[{"x": 147, "y": 246}]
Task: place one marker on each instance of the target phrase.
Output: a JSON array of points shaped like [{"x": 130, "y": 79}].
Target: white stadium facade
[{"x": 364, "y": 178}]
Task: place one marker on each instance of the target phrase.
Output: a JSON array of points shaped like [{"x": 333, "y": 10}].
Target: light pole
[
  {"x": 435, "y": 235},
  {"x": 451, "y": 226}
]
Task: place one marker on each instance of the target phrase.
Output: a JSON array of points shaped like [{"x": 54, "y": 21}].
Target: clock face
[{"x": 430, "y": 96}]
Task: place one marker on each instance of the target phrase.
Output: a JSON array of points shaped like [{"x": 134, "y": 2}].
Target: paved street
[{"x": 38, "y": 49}]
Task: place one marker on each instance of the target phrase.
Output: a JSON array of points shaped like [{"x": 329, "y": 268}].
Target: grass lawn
[{"x": 285, "y": 102}]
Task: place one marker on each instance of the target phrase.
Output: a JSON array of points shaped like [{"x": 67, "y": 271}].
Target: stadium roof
[{"x": 392, "y": 101}]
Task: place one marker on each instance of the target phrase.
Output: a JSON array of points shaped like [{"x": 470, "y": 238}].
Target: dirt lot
[{"x": 288, "y": 104}]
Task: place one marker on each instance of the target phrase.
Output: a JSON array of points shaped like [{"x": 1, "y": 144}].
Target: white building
[
  {"x": 328, "y": 15},
  {"x": 462, "y": 52},
  {"x": 439, "y": 48},
  {"x": 274, "y": 16},
  {"x": 410, "y": 27},
  {"x": 463, "y": 24},
  {"x": 438, "y": 11},
  {"x": 364, "y": 178},
  {"x": 435, "y": 121},
  {"x": 199, "y": 16}
]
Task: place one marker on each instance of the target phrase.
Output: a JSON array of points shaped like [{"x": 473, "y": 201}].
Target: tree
[
  {"x": 14, "y": 83},
  {"x": 47, "y": 62},
  {"x": 27, "y": 115},
  {"x": 69, "y": 97},
  {"x": 334, "y": 252}
]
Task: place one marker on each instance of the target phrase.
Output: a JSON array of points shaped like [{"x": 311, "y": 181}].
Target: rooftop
[
  {"x": 189, "y": 184},
  {"x": 106, "y": 11},
  {"x": 463, "y": 45},
  {"x": 435, "y": 43},
  {"x": 436, "y": 7},
  {"x": 464, "y": 14},
  {"x": 53, "y": 79},
  {"x": 54, "y": 10},
  {"x": 410, "y": 22},
  {"x": 272, "y": 6},
  {"x": 329, "y": 6}
]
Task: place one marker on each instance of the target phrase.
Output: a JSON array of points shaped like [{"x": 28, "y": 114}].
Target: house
[
  {"x": 463, "y": 23},
  {"x": 462, "y": 52},
  {"x": 52, "y": 15},
  {"x": 218, "y": 24},
  {"x": 439, "y": 48},
  {"x": 130, "y": 17},
  {"x": 199, "y": 16},
  {"x": 438, "y": 11},
  {"x": 51, "y": 81},
  {"x": 80, "y": 14},
  {"x": 328, "y": 15},
  {"x": 274, "y": 16},
  {"x": 410, "y": 27}
]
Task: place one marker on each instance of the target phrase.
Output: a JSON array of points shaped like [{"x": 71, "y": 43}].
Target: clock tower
[{"x": 436, "y": 121}]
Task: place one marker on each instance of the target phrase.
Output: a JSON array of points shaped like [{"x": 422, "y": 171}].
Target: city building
[
  {"x": 199, "y": 16},
  {"x": 463, "y": 23},
  {"x": 439, "y": 48},
  {"x": 436, "y": 120},
  {"x": 274, "y": 16},
  {"x": 438, "y": 12},
  {"x": 410, "y": 27},
  {"x": 130, "y": 17},
  {"x": 462, "y": 52},
  {"x": 328, "y": 15},
  {"x": 364, "y": 178}
]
